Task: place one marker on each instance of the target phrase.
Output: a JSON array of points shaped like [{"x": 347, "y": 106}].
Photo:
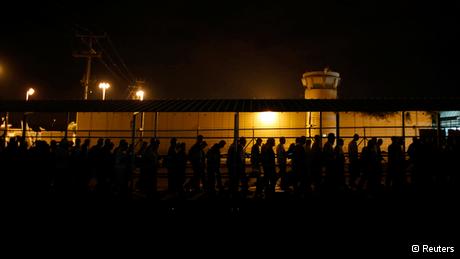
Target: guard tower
[{"x": 321, "y": 85}]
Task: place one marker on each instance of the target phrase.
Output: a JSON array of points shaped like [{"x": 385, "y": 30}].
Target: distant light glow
[
  {"x": 29, "y": 92},
  {"x": 267, "y": 118},
  {"x": 140, "y": 95},
  {"x": 104, "y": 85}
]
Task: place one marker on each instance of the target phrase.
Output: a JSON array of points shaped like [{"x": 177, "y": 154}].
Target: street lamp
[
  {"x": 104, "y": 86},
  {"x": 140, "y": 95},
  {"x": 29, "y": 92}
]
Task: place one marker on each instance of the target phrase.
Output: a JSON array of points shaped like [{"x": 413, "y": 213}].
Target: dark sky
[{"x": 231, "y": 49}]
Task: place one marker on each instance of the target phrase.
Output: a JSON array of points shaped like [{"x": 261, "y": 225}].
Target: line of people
[{"x": 68, "y": 168}]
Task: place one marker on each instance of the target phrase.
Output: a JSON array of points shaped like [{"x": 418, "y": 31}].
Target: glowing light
[
  {"x": 267, "y": 118},
  {"x": 104, "y": 86},
  {"x": 140, "y": 95},
  {"x": 30, "y": 92}
]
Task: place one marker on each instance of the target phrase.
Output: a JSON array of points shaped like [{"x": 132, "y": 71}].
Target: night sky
[{"x": 231, "y": 49}]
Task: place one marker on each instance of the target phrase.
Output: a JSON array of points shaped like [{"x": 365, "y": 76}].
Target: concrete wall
[
  {"x": 114, "y": 125},
  {"x": 217, "y": 126},
  {"x": 321, "y": 94},
  {"x": 385, "y": 128}
]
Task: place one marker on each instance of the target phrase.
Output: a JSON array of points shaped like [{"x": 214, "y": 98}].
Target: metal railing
[{"x": 214, "y": 135}]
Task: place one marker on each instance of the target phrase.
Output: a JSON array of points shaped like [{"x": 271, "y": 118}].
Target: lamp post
[
  {"x": 6, "y": 113},
  {"x": 29, "y": 92},
  {"x": 104, "y": 86},
  {"x": 140, "y": 96},
  {"x": 6, "y": 124}
]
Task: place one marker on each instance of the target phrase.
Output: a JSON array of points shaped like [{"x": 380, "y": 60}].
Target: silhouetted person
[
  {"x": 170, "y": 164},
  {"x": 379, "y": 156},
  {"x": 303, "y": 152},
  {"x": 290, "y": 174},
  {"x": 181, "y": 164},
  {"x": 196, "y": 156},
  {"x": 316, "y": 161},
  {"x": 242, "y": 166},
  {"x": 256, "y": 160},
  {"x": 309, "y": 162},
  {"x": 338, "y": 176},
  {"x": 269, "y": 166},
  {"x": 353, "y": 157},
  {"x": 299, "y": 165},
  {"x": 281, "y": 156},
  {"x": 202, "y": 177},
  {"x": 150, "y": 168},
  {"x": 255, "y": 157},
  {"x": 328, "y": 157},
  {"x": 395, "y": 169},
  {"x": 106, "y": 172},
  {"x": 95, "y": 159},
  {"x": 62, "y": 176},
  {"x": 414, "y": 159},
  {"x": 373, "y": 166},
  {"x": 213, "y": 167},
  {"x": 84, "y": 174},
  {"x": 141, "y": 164},
  {"x": 236, "y": 166},
  {"x": 121, "y": 169},
  {"x": 76, "y": 165}
]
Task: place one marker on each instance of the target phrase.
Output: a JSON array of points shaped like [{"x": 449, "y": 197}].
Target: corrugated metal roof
[
  {"x": 233, "y": 105},
  {"x": 450, "y": 114}
]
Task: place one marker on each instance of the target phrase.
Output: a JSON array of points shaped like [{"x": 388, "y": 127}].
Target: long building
[{"x": 275, "y": 120}]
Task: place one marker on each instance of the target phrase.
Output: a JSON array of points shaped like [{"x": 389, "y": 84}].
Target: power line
[
  {"x": 89, "y": 55},
  {"x": 119, "y": 57},
  {"x": 111, "y": 71},
  {"x": 88, "y": 37},
  {"x": 113, "y": 63}
]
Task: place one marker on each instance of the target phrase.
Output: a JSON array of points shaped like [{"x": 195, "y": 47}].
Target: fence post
[
  {"x": 364, "y": 137},
  {"x": 6, "y": 125},
  {"x": 403, "y": 118},
  {"x": 24, "y": 126},
  {"x": 236, "y": 130},
  {"x": 133, "y": 154},
  {"x": 337, "y": 124},
  {"x": 438, "y": 129},
  {"x": 133, "y": 129},
  {"x": 141, "y": 128},
  {"x": 321, "y": 126},
  {"x": 155, "y": 125},
  {"x": 66, "y": 125}
]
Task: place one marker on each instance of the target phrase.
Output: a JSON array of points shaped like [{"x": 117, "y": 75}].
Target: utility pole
[
  {"x": 89, "y": 55},
  {"x": 138, "y": 85}
]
